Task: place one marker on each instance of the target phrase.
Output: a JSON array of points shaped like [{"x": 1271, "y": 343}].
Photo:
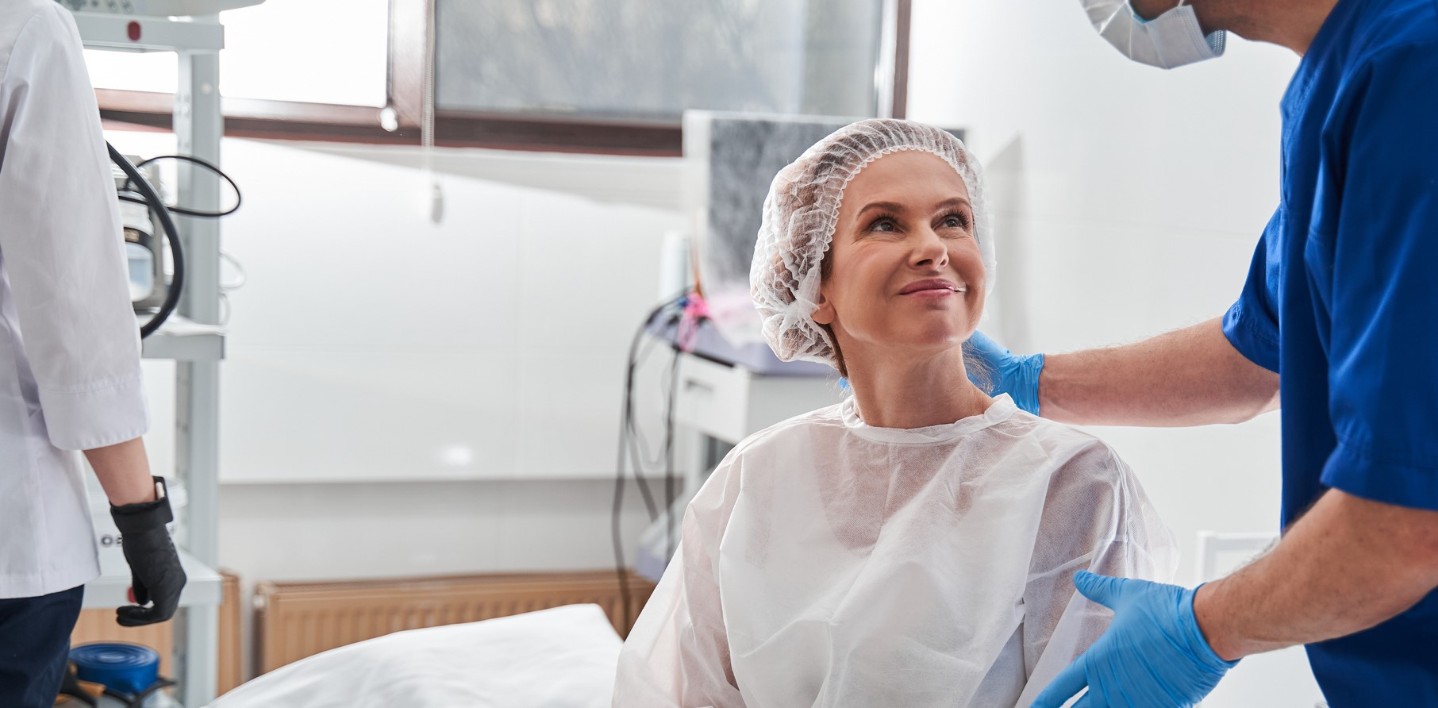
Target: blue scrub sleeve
[
  {"x": 1251, "y": 324},
  {"x": 1373, "y": 257}
]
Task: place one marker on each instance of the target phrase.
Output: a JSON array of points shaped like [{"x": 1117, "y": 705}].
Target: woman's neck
[{"x": 913, "y": 392}]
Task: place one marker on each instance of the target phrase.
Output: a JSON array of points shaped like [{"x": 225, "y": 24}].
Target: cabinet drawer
[{"x": 712, "y": 397}]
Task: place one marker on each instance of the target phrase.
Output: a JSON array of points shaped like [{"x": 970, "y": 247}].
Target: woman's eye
[
  {"x": 956, "y": 221},
  {"x": 883, "y": 223}
]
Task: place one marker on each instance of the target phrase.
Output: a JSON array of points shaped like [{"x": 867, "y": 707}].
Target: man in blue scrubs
[{"x": 1342, "y": 301}]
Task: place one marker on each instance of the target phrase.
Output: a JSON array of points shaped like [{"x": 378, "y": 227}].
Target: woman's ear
[{"x": 824, "y": 313}]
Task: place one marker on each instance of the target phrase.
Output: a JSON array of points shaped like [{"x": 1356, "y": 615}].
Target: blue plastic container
[{"x": 127, "y": 668}]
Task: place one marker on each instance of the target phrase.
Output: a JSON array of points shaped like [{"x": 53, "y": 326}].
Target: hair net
[{"x": 800, "y": 214}]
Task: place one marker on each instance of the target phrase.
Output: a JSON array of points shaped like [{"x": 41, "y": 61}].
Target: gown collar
[{"x": 1000, "y": 410}]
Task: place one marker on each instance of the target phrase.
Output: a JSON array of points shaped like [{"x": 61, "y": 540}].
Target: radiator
[{"x": 296, "y": 620}]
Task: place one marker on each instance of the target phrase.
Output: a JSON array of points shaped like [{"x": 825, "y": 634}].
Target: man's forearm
[
  {"x": 1191, "y": 376},
  {"x": 1347, "y": 565},
  {"x": 124, "y": 472}
]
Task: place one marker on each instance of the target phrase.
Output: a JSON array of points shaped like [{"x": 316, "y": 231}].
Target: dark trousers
[{"x": 35, "y": 645}]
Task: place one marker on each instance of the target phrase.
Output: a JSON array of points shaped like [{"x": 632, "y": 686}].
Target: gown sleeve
[
  {"x": 61, "y": 244},
  {"x": 678, "y": 651},
  {"x": 1096, "y": 518}
]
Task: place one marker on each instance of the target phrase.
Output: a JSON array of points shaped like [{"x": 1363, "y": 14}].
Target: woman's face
[{"x": 904, "y": 268}]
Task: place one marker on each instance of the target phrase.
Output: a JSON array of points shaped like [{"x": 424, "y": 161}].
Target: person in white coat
[
  {"x": 70, "y": 377},
  {"x": 916, "y": 544}
]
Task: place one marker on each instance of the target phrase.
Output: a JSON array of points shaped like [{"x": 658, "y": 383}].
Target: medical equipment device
[
  {"x": 148, "y": 227},
  {"x": 156, "y": 206},
  {"x": 730, "y": 159},
  {"x": 157, "y": 8},
  {"x": 195, "y": 46},
  {"x": 129, "y": 673},
  {"x": 144, "y": 240}
]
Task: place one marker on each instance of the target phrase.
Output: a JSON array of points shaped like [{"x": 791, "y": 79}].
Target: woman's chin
[
  {"x": 929, "y": 342},
  {"x": 913, "y": 340},
  {"x": 941, "y": 333}
]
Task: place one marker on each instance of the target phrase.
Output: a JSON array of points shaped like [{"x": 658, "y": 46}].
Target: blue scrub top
[{"x": 1342, "y": 302}]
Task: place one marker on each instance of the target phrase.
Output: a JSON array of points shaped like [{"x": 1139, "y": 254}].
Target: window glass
[
  {"x": 652, "y": 59},
  {"x": 315, "y": 51}
]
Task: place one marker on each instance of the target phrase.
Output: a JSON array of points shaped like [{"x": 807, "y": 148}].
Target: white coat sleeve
[
  {"x": 61, "y": 243},
  {"x": 1096, "y": 518},
  {"x": 678, "y": 652}
]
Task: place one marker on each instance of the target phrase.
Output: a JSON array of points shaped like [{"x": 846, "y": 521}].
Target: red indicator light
[{"x": 134, "y": 31}]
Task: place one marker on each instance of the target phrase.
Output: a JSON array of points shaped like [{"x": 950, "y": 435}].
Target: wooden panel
[
  {"x": 296, "y": 620},
  {"x": 231, "y": 669}
]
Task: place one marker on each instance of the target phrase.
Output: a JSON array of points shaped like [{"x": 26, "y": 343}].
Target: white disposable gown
[{"x": 830, "y": 563}]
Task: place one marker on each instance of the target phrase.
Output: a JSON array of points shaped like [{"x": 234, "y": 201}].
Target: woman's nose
[{"x": 929, "y": 250}]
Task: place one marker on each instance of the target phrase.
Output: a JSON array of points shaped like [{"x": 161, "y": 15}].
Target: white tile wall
[
  {"x": 370, "y": 344},
  {"x": 349, "y": 531},
  {"x": 457, "y": 387}
]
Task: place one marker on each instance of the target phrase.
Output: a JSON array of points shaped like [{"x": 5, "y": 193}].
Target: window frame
[{"x": 293, "y": 120}]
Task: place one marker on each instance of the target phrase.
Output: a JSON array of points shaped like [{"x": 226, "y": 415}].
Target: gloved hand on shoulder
[{"x": 1014, "y": 374}]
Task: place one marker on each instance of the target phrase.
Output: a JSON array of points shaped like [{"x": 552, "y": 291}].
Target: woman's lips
[
  {"x": 935, "y": 293},
  {"x": 933, "y": 288}
]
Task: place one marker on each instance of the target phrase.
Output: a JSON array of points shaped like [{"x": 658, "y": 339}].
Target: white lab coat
[
  {"x": 830, "y": 563},
  {"x": 69, "y": 346}
]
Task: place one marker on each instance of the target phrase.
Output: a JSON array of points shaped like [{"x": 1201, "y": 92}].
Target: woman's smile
[{"x": 933, "y": 289}]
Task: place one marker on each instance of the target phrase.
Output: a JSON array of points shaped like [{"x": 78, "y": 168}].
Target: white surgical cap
[{"x": 802, "y": 209}]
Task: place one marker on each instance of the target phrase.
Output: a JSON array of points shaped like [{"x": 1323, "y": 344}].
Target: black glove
[{"x": 155, "y": 571}]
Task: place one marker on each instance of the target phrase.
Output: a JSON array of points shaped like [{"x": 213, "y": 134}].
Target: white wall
[
  {"x": 1128, "y": 201},
  {"x": 380, "y": 346},
  {"x": 401, "y": 398}
]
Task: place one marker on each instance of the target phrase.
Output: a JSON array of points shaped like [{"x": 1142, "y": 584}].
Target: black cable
[
  {"x": 663, "y": 462},
  {"x": 643, "y": 465},
  {"x": 669, "y": 457},
  {"x": 629, "y": 432},
  {"x": 195, "y": 160},
  {"x": 631, "y": 435},
  {"x": 626, "y": 428},
  {"x": 638, "y": 443},
  {"x": 615, "y": 538},
  {"x": 167, "y": 224}
]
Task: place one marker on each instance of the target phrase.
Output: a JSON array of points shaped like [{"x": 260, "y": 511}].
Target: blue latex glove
[
  {"x": 1153, "y": 653},
  {"x": 1014, "y": 374}
]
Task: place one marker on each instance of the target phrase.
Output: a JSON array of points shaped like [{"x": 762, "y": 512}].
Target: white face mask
[{"x": 1167, "y": 41}]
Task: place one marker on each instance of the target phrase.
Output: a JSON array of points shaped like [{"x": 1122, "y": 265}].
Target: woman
[{"x": 914, "y": 545}]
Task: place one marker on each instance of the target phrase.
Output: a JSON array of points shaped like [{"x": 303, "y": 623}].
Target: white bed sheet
[{"x": 558, "y": 658}]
